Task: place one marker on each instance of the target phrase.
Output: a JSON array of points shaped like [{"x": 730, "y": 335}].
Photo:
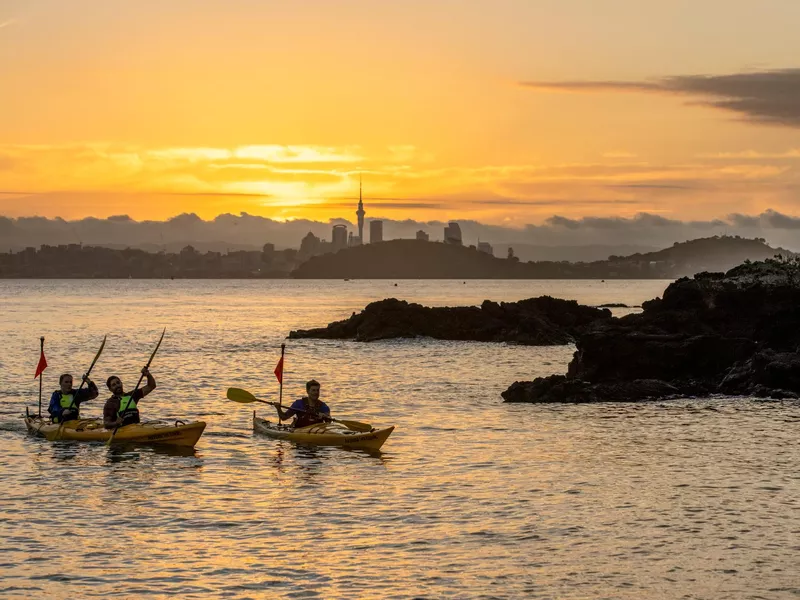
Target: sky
[{"x": 504, "y": 112}]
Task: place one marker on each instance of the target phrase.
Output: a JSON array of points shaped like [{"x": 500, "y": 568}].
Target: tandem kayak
[
  {"x": 323, "y": 434},
  {"x": 92, "y": 430}
]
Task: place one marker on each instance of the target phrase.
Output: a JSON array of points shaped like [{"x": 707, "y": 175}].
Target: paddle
[
  {"x": 245, "y": 397},
  {"x": 96, "y": 356},
  {"x": 83, "y": 381},
  {"x": 138, "y": 383}
]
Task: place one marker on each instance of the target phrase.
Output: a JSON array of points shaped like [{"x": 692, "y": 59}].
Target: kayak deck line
[
  {"x": 180, "y": 433},
  {"x": 323, "y": 434}
]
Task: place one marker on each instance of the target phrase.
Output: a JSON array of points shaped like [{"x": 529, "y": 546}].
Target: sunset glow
[{"x": 503, "y": 112}]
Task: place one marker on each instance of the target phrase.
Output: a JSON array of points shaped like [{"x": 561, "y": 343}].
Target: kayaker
[
  {"x": 309, "y": 410},
  {"x": 65, "y": 402},
  {"x": 122, "y": 409}
]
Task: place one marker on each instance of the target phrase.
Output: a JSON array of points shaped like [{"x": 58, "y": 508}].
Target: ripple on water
[{"x": 471, "y": 497}]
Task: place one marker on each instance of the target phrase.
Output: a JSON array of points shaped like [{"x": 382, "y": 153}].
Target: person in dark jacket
[{"x": 65, "y": 402}]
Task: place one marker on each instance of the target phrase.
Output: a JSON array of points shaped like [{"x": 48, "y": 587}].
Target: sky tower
[{"x": 360, "y": 213}]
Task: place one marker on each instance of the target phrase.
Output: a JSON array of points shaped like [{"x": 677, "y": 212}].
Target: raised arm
[
  {"x": 90, "y": 393},
  {"x": 151, "y": 382}
]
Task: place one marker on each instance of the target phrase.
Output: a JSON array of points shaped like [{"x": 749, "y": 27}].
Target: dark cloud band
[{"x": 761, "y": 96}]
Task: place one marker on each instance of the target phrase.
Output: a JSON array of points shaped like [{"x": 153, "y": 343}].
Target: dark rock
[
  {"x": 619, "y": 353},
  {"x": 766, "y": 373},
  {"x": 540, "y": 321},
  {"x": 736, "y": 333},
  {"x": 558, "y": 388}
]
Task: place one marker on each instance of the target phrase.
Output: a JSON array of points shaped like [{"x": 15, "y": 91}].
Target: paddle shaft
[
  {"x": 245, "y": 397},
  {"x": 41, "y": 348},
  {"x": 280, "y": 390},
  {"x": 94, "y": 362},
  {"x": 152, "y": 356},
  {"x": 277, "y": 405}
]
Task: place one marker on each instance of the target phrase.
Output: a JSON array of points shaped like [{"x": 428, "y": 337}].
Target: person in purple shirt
[{"x": 309, "y": 410}]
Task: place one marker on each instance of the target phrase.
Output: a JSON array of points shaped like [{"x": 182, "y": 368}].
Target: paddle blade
[
  {"x": 355, "y": 425},
  {"x": 99, "y": 352},
  {"x": 158, "y": 345},
  {"x": 239, "y": 395}
]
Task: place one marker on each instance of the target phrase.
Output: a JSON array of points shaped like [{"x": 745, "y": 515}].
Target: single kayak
[
  {"x": 92, "y": 430},
  {"x": 323, "y": 434}
]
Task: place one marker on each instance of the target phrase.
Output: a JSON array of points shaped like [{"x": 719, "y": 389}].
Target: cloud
[
  {"x": 619, "y": 154},
  {"x": 780, "y": 221},
  {"x": 8, "y": 22},
  {"x": 771, "y": 96},
  {"x": 249, "y": 231},
  {"x": 744, "y": 221},
  {"x": 617, "y": 223},
  {"x": 298, "y": 154},
  {"x": 653, "y": 186},
  {"x": 557, "y": 221},
  {"x": 102, "y": 179}
]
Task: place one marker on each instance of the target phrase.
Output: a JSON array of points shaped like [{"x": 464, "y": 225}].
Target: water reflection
[
  {"x": 162, "y": 450},
  {"x": 470, "y": 497}
]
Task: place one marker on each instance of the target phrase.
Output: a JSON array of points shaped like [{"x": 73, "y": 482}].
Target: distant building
[
  {"x": 360, "y": 214},
  {"x": 421, "y": 235},
  {"x": 452, "y": 234},
  {"x": 486, "y": 248},
  {"x": 309, "y": 246},
  {"x": 339, "y": 238},
  {"x": 375, "y": 232},
  {"x": 353, "y": 240}
]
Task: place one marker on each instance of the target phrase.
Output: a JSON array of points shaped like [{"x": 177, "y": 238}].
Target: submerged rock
[
  {"x": 732, "y": 333},
  {"x": 542, "y": 321},
  {"x": 615, "y": 305}
]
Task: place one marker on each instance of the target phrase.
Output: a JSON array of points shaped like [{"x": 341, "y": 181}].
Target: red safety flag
[
  {"x": 279, "y": 371},
  {"x": 41, "y": 366}
]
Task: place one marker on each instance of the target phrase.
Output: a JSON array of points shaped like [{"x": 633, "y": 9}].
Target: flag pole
[
  {"x": 41, "y": 348},
  {"x": 280, "y": 392}
]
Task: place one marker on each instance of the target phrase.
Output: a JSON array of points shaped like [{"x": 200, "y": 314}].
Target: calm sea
[{"x": 471, "y": 498}]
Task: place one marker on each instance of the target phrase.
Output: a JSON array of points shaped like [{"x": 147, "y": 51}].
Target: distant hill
[
  {"x": 396, "y": 259},
  {"x": 587, "y": 253},
  {"x": 414, "y": 259},
  {"x": 405, "y": 259},
  {"x": 718, "y": 253},
  {"x": 175, "y": 247}
]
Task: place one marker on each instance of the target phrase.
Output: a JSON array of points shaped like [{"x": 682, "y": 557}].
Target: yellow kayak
[
  {"x": 323, "y": 434},
  {"x": 92, "y": 430}
]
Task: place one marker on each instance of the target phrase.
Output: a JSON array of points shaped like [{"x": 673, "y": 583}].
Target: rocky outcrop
[
  {"x": 733, "y": 333},
  {"x": 561, "y": 389},
  {"x": 766, "y": 374},
  {"x": 543, "y": 321}
]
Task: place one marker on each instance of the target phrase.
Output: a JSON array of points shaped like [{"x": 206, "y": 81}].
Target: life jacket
[
  {"x": 69, "y": 410},
  {"x": 128, "y": 410},
  {"x": 304, "y": 419}
]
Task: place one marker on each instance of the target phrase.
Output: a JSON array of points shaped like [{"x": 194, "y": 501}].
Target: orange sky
[{"x": 154, "y": 108}]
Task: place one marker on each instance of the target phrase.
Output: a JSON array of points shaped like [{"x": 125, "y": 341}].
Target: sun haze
[{"x": 502, "y": 111}]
